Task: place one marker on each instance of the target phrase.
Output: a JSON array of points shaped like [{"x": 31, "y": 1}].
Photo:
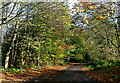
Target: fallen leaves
[
  {"x": 108, "y": 75},
  {"x": 32, "y": 73}
]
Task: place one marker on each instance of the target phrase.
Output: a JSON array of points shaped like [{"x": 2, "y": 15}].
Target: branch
[
  {"x": 105, "y": 38},
  {"x": 13, "y": 17},
  {"x": 12, "y": 10},
  {"x": 6, "y": 5}
]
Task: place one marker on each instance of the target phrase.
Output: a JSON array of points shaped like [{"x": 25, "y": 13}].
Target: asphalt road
[{"x": 74, "y": 74}]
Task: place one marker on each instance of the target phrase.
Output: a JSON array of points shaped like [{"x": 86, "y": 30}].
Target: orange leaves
[
  {"x": 108, "y": 75},
  {"x": 84, "y": 3},
  {"x": 79, "y": 21},
  {"x": 112, "y": 9},
  {"x": 75, "y": 8},
  {"x": 97, "y": 17},
  {"x": 61, "y": 48},
  {"x": 64, "y": 46}
]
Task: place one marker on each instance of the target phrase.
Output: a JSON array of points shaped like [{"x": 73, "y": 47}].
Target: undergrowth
[{"x": 102, "y": 64}]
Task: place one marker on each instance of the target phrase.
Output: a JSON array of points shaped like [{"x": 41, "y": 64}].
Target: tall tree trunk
[
  {"x": 22, "y": 59},
  {"x": 0, "y": 47},
  {"x": 8, "y": 53}
]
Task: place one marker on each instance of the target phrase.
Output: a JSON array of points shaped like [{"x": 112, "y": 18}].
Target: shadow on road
[{"x": 73, "y": 74}]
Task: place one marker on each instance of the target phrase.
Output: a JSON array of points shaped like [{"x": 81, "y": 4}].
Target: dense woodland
[{"x": 49, "y": 33}]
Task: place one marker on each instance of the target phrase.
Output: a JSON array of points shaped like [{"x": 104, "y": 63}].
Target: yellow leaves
[
  {"x": 104, "y": 18},
  {"x": 112, "y": 9},
  {"x": 22, "y": 53},
  {"x": 57, "y": 19},
  {"x": 84, "y": 18},
  {"x": 72, "y": 25},
  {"x": 97, "y": 17},
  {"x": 31, "y": 24},
  {"x": 79, "y": 21},
  {"x": 85, "y": 14},
  {"x": 86, "y": 22},
  {"x": 101, "y": 18},
  {"x": 91, "y": 7},
  {"x": 63, "y": 16},
  {"x": 53, "y": 55},
  {"x": 81, "y": 10}
]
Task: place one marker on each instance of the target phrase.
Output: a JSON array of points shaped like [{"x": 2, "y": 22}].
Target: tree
[
  {"x": 38, "y": 35},
  {"x": 99, "y": 21},
  {"x": 15, "y": 19}
]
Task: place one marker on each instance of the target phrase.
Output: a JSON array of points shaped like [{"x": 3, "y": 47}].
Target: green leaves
[
  {"x": 100, "y": 30},
  {"x": 46, "y": 35}
]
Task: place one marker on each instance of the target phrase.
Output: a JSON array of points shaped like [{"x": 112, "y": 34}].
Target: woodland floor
[{"x": 74, "y": 72}]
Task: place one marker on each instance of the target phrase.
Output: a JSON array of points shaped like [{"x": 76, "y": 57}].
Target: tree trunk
[
  {"x": 6, "y": 61},
  {"x": 0, "y": 50},
  {"x": 7, "y": 55},
  {"x": 22, "y": 59}
]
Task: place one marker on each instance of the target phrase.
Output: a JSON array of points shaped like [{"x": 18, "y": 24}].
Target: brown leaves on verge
[
  {"x": 32, "y": 73},
  {"x": 108, "y": 75}
]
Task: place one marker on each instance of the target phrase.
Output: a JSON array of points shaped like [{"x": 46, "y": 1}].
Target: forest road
[{"x": 73, "y": 74}]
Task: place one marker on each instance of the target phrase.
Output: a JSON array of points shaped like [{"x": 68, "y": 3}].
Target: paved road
[{"x": 73, "y": 74}]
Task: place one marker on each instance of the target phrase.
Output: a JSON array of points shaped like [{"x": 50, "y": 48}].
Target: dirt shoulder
[{"x": 32, "y": 73}]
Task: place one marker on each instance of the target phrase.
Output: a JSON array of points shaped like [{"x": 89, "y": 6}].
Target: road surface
[{"x": 73, "y": 74}]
